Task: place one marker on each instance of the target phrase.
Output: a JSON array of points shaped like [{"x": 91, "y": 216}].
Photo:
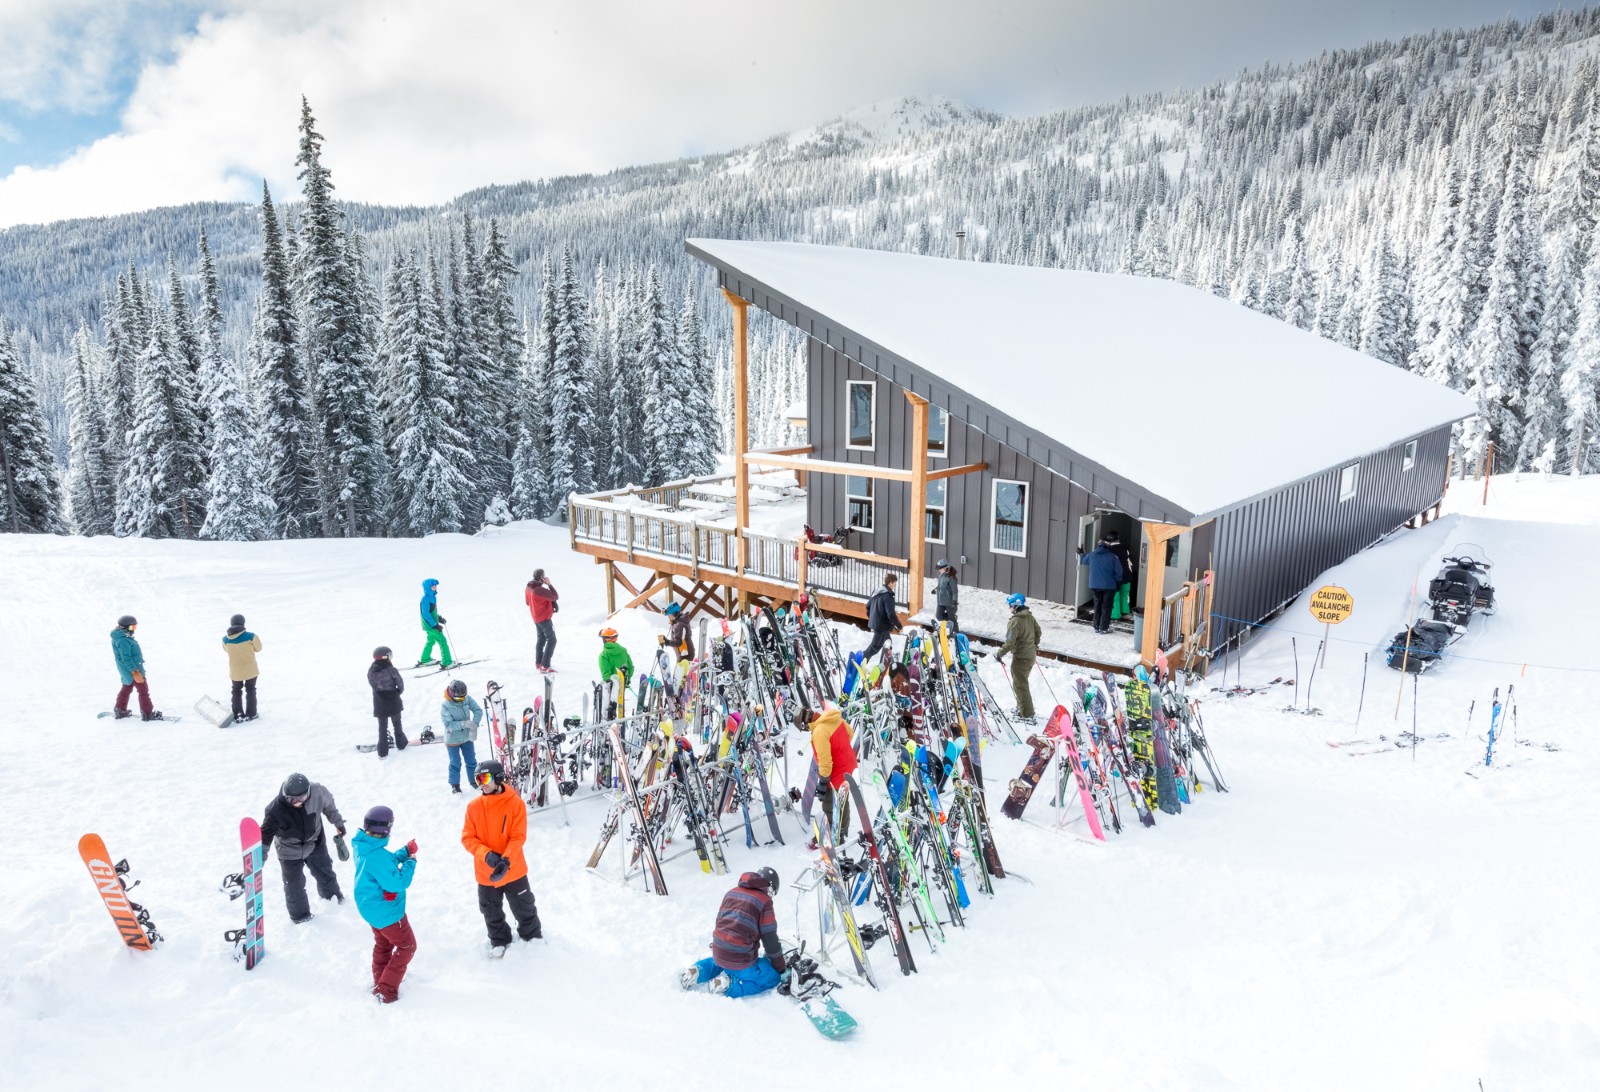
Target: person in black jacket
[
  {"x": 387, "y": 685},
  {"x": 882, "y": 618},
  {"x": 294, "y": 820}
]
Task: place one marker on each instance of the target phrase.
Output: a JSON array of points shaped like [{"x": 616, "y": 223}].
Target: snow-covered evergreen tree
[
  {"x": 91, "y": 476},
  {"x": 1580, "y": 382},
  {"x": 30, "y": 486},
  {"x": 278, "y": 378},
  {"x": 656, "y": 365},
  {"x": 1383, "y": 312},
  {"x": 163, "y": 479},
  {"x": 567, "y": 382},
  {"x": 489, "y": 277},
  {"x": 701, "y": 428}
]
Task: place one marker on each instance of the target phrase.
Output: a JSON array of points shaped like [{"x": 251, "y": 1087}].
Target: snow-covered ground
[{"x": 1378, "y": 921}]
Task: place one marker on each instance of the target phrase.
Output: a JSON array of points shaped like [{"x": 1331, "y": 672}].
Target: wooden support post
[
  {"x": 1488, "y": 472},
  {"x": 611, "y": 588},
  {"x": 741, "y": 425},
  {"x": 916, "y": 544},
  {"x": 800, "y": 566},
  {"x": 1156, "y": 535}
]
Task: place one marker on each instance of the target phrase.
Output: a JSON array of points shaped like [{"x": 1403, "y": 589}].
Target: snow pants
[
  {"x": 947, "y": 614},
  {"x": 836, "y": 807},
  {"x": 1103, "y": 598},
  {"x": 244, "y": 698},
  {"x": 458, "y": 753},
  {"x": 146, "y": 706},
  {"x": 759, "y": 977},
  {"x": 491, "y": 903},
  {"x": 436, "y": 637},
  {"x": 294, "y": 880},
  {"x": 1021, "y": 668},
  {"x": 545, "y": 647},
  {"x": 392, "y": 949},
  {"x": 1122, "y": 606},
  {"x": 880, "y": 637},
  {"x": 385, "y": 721}
]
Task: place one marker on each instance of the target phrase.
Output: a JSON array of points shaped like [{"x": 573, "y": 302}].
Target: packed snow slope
[{"x": 1338, "y": 920}]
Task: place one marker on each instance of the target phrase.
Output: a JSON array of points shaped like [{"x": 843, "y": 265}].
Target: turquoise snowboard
[{"x": 827, "y": 1017}]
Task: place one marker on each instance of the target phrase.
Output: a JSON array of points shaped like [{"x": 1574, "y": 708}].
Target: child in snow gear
[
  {"x": 130, "y": 667},
  {"x": 1107, "y": 573},
  {"x": 494, "y": 830},
  {"x": 1121, "y": 604},
  {"x": 387, "y": 686},
  {"x": 241, "y": 646},
  {"x": 947, "y": 596},
  {"x": 294, "y": 820},
  {"x": 613, "y": 658},
  {"x": 460, "y": 716},
  {"x": 745, "y": 925},
  {"x": 382, "y": 876},
  {"x": 679, "y": 637},
  {"x": 541, "y": 598},
  {"x": 882, "y": 618},
  {"x": 1022, "y": 641},
  {"x": 433, "y": 626},
  {"x": 836, "y": 757}
]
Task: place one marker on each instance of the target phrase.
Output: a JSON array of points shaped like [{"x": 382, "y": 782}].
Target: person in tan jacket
[
  {"x": 495, "y": 828},
  {"x": 241, "y": 646}
]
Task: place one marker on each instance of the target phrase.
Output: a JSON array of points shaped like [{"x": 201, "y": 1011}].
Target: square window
[
  {"x": 858, "y": 502},
  {"x": 934, "y": 512},
  {"x": 938, "y": 433},
  {"x": 861, "y": 405},
  {"x": 1008, "y": 525},
  {"x": 1347, "y": 481},
  {"x": 1409, "y": 459}
]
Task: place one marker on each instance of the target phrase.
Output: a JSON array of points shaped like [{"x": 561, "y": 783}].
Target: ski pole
[
  {"x": 1309, "y": 709},
  {"x": 1415, "y": 682},
  {"x": 1360, "y": 701},
  {"x": 1295, "y": 650}
]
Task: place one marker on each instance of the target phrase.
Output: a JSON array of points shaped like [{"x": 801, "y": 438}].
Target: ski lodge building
[{"x": 1001, "y": 416}]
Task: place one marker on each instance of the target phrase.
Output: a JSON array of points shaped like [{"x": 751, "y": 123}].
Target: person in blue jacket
[
  {"x": 130, "y": 668},
  {"x": 382, "y": 876},
  {"x": 433, "y": 626},
  {"x": 459, "y": 717},
  {"x": 1106, "y": 574}
]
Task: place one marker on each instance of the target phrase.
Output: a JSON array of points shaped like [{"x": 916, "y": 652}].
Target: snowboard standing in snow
[
  {"x": 1021, "y": 790},
  {"x": 132, "y": 920},
  {"x": 253, "y": 941}
]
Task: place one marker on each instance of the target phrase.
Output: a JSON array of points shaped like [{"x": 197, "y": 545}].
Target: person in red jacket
[
  {"x": 541, "y": 597},
  {"x": 830, "y": 742},
  {"x": 494, "y": 830}
]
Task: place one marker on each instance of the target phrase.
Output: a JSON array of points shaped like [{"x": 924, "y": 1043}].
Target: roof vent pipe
[{"x": 961, "y": 245}]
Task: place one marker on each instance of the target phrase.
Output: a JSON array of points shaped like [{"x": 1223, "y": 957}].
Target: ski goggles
[
  {"x": 483, "y": 779},
  {"x": 300, "y": 800}
]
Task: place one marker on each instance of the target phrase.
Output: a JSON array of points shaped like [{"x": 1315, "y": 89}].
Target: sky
[{"x": 109, "y": 107}]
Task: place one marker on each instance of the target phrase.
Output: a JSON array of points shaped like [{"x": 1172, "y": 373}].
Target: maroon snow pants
[
  {"x": 145, "y": 705},
  {"x": 392, "y": 949}
]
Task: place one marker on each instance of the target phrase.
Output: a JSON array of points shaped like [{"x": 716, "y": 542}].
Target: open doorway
[{"x": 1092, "y": 528}]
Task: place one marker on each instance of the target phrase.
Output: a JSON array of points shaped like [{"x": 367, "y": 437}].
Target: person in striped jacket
[{"x": 745, "y": 925}]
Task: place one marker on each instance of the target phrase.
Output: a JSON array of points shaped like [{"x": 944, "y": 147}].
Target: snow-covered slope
[{"x": 1377, "y": 921}]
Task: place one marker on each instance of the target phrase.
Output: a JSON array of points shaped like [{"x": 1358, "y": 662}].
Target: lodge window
[
  {"x": 938, "y": 431},
  {"x": 858, "y": 502},
  {"x": 1347, "y": 481},
  {"x": 934, "y": 512},
  {"x": 1409, "y": 459},
  {"x": 1008, "y": 523},
  {"x": 861, "y": 406}
]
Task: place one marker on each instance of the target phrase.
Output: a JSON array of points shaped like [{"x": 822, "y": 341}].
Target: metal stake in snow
[
  {"x": 1294, "y": 649},
  {"x": 1360, "y": 701}
]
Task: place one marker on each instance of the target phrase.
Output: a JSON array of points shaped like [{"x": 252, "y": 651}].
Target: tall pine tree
[{"x": 30, "y": 488}]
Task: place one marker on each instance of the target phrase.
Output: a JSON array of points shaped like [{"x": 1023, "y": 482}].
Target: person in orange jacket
[
  {"x": 494, "y": 830},
  {"x": 830, "y": 742}
]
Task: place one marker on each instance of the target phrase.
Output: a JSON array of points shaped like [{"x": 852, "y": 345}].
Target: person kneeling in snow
[
  {"x": 382, "y": 876},
  {"x": 745, "y": 924}
]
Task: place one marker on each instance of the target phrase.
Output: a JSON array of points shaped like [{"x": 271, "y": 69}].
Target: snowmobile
[
  {"x": 1461, "y": 588},
  {"x": 1422, "y": 647}
]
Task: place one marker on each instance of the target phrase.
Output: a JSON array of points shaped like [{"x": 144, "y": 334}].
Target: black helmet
[
  {"x": 378, "y": 820},
  {"x": 493, "y": 769},
  {"x": 770, "y": 874},
  {"x": 127, "y": 621},
  {"x": 296, "y": 785},
  {"x": 458, "y": 689},
  {"x": 382, "y": 652},
  {"x": 236, "y": 620}
]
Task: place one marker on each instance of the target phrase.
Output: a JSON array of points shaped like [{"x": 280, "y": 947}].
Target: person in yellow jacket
[
  {"x": 496, "y": 826},
  {"x": 836, "y": 757},
  {"x": 241, "y": 646}
]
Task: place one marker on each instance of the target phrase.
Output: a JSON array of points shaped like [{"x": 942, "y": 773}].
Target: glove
[
  {"x": 441, "y": 620},
  {"x": 1080, "y": 551},
  {"x": 498, "y": 866},
  {"x": 138, "y": 676},
  {"x": 339, "y": 831},
  {"x": 411, "y": 847}
]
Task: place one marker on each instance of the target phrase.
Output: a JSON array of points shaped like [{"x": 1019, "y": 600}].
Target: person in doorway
[
  {"x": 494, "y": 831},
  {"x": 382, "y": 876},
  {"x": 433, "y": 626},
  {"x": 947, "y": 596},
  {"x": 746, "y": 925},
  {"x": 836, "y": 757},
  {"x": 1022, "y": 642},
  {"x": 387, "y": 686},
  {"x": 294, "y": 821},
  {"x": 882, "y": 619},
  {"x": 241, "y": 646},
  {"x": 130, "y": 667},
  {"x": 460, "y": 717},
  {"x": 542, "y": 599},
  {"x": 613, "y": 659},
  {"x": 1121, "y": 603},
  {"x": 1106, "y": 574}
]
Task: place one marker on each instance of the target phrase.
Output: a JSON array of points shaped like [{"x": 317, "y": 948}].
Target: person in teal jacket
[
  {"x": 459, "y": 717},
  {"x": 613, "y": 658},
  {"x": 130, "y": 668},
  {"x": 382, "y": 876},
  {"x": 433, "y": 626}
]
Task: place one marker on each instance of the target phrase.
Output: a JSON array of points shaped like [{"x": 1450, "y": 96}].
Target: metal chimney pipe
[{"x": 961, "y": 245}]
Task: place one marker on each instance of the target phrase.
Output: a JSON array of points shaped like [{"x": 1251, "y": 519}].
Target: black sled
[
  {"x": 1461, "y": 589},
  {"x": 1427, "y": 642}
]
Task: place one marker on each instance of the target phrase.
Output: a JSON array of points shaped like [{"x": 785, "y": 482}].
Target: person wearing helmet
[
  {"x": 382, "y": 876},
  {"x": 130, "y": 667},
  {"x": 613, "y": 658},
  {"x": 836, "y": 757},
  {"x": 1107, "y": 571},
  {"x": 678, "y": 636},
  {"x": 494, "y": 830},
  {"x": 460, "y": 717},
  {"x": 947, "y": 596},
  {"x": 294, "y": 821},
  {"x": 433, "y": 627},
  {"x": 746, "y": 924},
  {"x": 1022, "y": 641},
  {"x": 882, "y": 619},
  {"x": 241, "y": 646},
  {"x": 387, "y": 686},
  {"x": 541, "y": 598}
]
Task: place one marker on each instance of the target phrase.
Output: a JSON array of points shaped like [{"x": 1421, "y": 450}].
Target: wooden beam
[
  {"x": 859, "y": 555},
  {"x": 803, "y": 449},
  {"x": 611, "y": 588},
  {"x": 822, "y": 466},
  {"x": 741, "y": 421},
  {"x": 917, "y": 543},
  {"x": 952, "y": 471},
  {"x": 1157, "y": 535},
  {"x": 643, "y": 598}
]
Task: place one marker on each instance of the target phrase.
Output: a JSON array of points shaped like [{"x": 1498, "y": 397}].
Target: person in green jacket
[
  {"x": 613, "y": 658},
  {"x": 1022, "y": 641}
]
